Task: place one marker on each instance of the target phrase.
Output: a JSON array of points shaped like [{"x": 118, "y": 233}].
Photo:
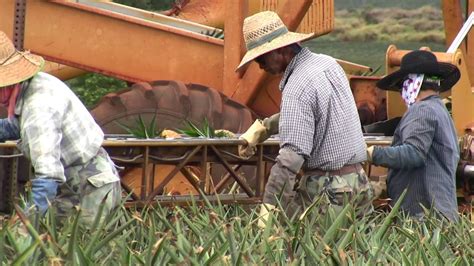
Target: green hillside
[
  {"x": 348, "y": 4},
  {"x": 423, "y": 24},
  {"x": 362, "y": 35},
  {"x": 371, "y": 53}
]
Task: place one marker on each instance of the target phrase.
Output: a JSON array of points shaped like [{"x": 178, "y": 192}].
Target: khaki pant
[{"x": 89, "y": 186}]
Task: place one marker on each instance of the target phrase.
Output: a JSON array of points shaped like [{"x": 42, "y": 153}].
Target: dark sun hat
[{"x": 421, "y": 62}]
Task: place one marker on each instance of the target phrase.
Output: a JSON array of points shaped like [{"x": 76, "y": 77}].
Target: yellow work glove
[
  {"x": 254, "y": 135},
  {"x": 258, "y": 132},
  {"x": 265, "y": 209},
  {"x": 370, "y": 151}
]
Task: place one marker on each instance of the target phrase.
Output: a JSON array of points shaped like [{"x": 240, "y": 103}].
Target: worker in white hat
[
  {"x": 58, "y": 135},
  {"x": 319, "y": 127}
]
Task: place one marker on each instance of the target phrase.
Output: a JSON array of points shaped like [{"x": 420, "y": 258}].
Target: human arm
[
  {"x": 258, "y": 132},
  {"x": 282, "y": 178},
  {"x": 405, "y": 156},
  {"x": 417, "y": 132},
  {"x": 281, "y": 183},
  {"x": 42, "y": 136},
  {"x": 271, "y": 124},
  {"x": 296, "y": 141}
]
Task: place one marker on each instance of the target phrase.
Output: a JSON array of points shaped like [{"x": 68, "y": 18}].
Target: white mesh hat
[
  {"x": 265, "y": 32},
  {"x": 16, "y": 66}
]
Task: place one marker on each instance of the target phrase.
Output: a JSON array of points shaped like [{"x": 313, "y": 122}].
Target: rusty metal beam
[
  {"x": 114, "y": 44},
  {"x": 165, "y": 181},
  {"x": 469, "y": 55},
  {"x": 456, "y": 25},
  {"x": 229, "y": 168},
  {"x": 236, "y": 11},
  {"x": 221, "y": 185},
  {"x": 196, "y": 199},
  {"x": 453, "y": 19},
  {"x": 462, "y": 94},
  {"x": 19, "y": 24},
  {"x": 260, "y": 172},
  {"x": 218, "y": 147},
  {"x": 189, "y": 176}
]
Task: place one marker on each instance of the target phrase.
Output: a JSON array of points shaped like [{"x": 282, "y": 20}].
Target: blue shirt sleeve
[
  {"x": 405, "y": 156},
  {"x": 416, "y": 130},
  {"x": 9, "y": 129}
]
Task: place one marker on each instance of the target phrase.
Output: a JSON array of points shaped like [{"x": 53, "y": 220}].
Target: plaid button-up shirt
[
  {"x": 56, "y": 129},
  {"x": 318, "y": 117}
]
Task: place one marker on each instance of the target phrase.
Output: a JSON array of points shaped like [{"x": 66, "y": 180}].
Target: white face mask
[{"x": 411, "y": 88}]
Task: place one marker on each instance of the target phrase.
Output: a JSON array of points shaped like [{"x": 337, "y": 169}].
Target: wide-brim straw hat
[
  {"x": 421, "y": 62},
  {"x": 265, "y": 32},
  {"x": 16, "y": 66}
]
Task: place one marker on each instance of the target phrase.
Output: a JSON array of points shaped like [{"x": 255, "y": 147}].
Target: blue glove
[
  {"x": 43, "y": 190},
  {"x": 9, "y": 129}
]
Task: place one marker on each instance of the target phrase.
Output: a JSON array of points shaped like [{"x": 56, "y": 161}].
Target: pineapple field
[{"x": 216, "y": 234}]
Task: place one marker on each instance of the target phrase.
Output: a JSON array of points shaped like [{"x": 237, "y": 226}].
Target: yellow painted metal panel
[
  {"x": 122, "y": 46},
  {"x": 62, "y": 72},
  {"x": 469, "y": 56},
  {"x": 319, "y": 19},
  {"x": 6, "y": 17},
  {"x": 462, "y": 95},
  {"x": 133, "y": 44}
]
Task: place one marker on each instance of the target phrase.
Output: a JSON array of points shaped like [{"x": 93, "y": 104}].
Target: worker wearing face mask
[{"x": 424, "y": 153}]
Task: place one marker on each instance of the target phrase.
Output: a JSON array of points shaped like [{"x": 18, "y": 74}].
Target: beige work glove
[
  {"x": 254, "y": 135},
  {"x": 258, "y": 132},
  {"x": 265, "y": 210},
  {"x": 370, "y": 151}
]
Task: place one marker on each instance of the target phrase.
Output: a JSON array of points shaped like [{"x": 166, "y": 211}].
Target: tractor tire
[{"x": 171, "y": 103}]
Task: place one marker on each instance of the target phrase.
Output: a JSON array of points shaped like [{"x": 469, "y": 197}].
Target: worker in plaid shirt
[
  {"x": 424, "y": 154},
  {"x": 58, "y": 135},
  {"x": 319, "y": 127}
]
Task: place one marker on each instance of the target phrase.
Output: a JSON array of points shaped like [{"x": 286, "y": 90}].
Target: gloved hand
[
  {"x": 370, "y": 151},
  {"x": 254, "y": 135},
  {"x": 258, "y": 132},
  {"x": 265, "y": 209},
  {"x": 43, "y": 190},
  {"x": 271, "y": 124}
]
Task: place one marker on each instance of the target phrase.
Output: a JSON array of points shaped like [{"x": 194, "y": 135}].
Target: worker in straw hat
[
  {"x": 319, "y": 128},
  {"x": 424, "y": 153},
  {"x": 58, "y": 135}
]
